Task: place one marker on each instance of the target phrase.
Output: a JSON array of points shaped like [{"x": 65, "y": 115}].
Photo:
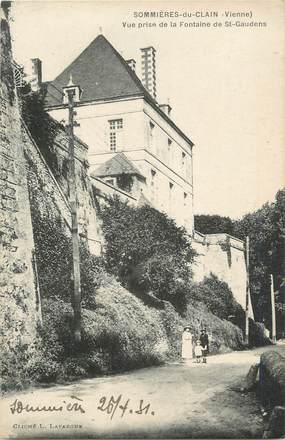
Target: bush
[
  {"x": 218, "y": 298},
  {"x": 256, "y": 335},
  {"x": 13, "y": 366},
  {"x": 223, "y": 335},
  {"x": 44, "y": 369},
  {"x": 123, "y": 328},
  {"x": 92, "y": 274}
]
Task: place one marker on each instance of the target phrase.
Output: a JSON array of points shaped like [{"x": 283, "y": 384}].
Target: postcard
[{"x": 142, "y": 219}]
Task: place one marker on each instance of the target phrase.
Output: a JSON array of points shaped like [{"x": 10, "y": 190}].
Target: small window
[
  {"x": 169, "y": 141},
  {"x": 171, "y": 185},
  {"x": 152, "y": 185}
]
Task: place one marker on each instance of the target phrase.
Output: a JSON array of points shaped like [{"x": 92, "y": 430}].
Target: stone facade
[
  {"x": 118, "y": 113},
  {"x": 223, "y": 256},
  {"x": 20, "y": 301},
  {"x": 161, "y": 154}
]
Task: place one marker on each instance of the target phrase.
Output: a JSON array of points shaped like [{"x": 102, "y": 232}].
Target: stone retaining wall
[{"x": 20, "y": 302}]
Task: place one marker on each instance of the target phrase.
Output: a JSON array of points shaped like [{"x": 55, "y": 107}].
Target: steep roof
[
  {"x": 101, "y": 72},
  {"x": 115, "y": 166}
]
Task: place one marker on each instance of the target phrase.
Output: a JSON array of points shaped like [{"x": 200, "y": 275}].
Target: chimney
[
  {"x": 36, "y": 77},
  {"x": 148, "y": 70},
  {"x": 165, "y": 108},
  {"x": 132, "y": 64}
]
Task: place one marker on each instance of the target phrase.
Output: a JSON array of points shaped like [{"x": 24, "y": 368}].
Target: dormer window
[{"x": 116, "y": 129}]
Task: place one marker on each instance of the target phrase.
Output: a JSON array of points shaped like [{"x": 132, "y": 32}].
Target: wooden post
[
  {"x": 273, "y": 311},
  {"x": 247, "y": 292},
  {"x": 74, "y": 222}
]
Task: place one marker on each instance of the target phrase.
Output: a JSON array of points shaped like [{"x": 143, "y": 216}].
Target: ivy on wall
[
  {"x": 41, "y": 126},
  {"x": 6, "y": 69},
  {"x": 225, "y": 245}
]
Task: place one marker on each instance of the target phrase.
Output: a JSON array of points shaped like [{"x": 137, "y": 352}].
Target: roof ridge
[
  {"x": 130, "y": 71},
  {"x": 78, "y": 56}
]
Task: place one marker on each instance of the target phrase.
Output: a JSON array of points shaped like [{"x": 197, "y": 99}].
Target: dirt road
[{"x": 172, "y": 401}]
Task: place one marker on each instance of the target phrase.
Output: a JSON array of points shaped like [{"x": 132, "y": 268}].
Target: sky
[{"x": 226, "y": 85}]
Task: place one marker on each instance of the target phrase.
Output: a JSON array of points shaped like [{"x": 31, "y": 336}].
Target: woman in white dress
[{"x": 187, "y": 347}]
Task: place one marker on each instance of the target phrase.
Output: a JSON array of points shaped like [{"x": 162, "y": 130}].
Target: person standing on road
[
  {"x": 204, "y": 339},
  {"x": 198, "y": 352},
  {"x": 187, "y": 344}
]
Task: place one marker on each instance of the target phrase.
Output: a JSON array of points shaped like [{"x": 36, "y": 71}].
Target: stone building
[{"x": 118, "y": 114}]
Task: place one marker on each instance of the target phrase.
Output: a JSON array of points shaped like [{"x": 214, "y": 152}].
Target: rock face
[
  {"x": 272, "y": 379},
  {"x": 20, "y": 302}
]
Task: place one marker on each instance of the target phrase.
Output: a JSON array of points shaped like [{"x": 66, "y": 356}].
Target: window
[
  {"x": 185, "y": 211},
  {"x": 116, "y": 128},
  {"x": 152, "y": 185},
  {"x": 171, "y": 200},
  {"x": 183, "y": 159},
  {"x": 169, "y": 152},
  {"x": 151, "y": 139},
  {"x": 110, "y": 181}
]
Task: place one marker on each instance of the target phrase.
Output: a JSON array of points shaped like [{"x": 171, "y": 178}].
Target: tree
[
  {"x": 213, "y": 224},
  {"x": 266, "y": 230},
  {"x": 147, "y": 251}
]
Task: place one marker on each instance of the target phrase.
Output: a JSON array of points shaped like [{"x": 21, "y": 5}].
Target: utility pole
[
  {"x": 273, "y": 311},
  {"x": 247, "y": 292},
  {"x": 72, "y": 92}
]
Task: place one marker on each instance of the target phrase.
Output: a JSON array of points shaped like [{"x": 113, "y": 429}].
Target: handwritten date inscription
[
  {"x": 109, "y": 405},
  {"x": 117, "y": 406}
]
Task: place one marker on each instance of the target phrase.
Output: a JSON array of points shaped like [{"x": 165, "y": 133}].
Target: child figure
[{"x": 198, "y": 352}]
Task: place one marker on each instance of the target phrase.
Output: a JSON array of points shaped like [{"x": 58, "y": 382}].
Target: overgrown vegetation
[
  {"x": 214, "y": 224},
  {"x": 218, "y": 298},
  {"x": 119, "y": 332},
  {"x": 41, "y": 126},
  {"x": 147, "y": 252},
  {"x": 6, "y": 70}
]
